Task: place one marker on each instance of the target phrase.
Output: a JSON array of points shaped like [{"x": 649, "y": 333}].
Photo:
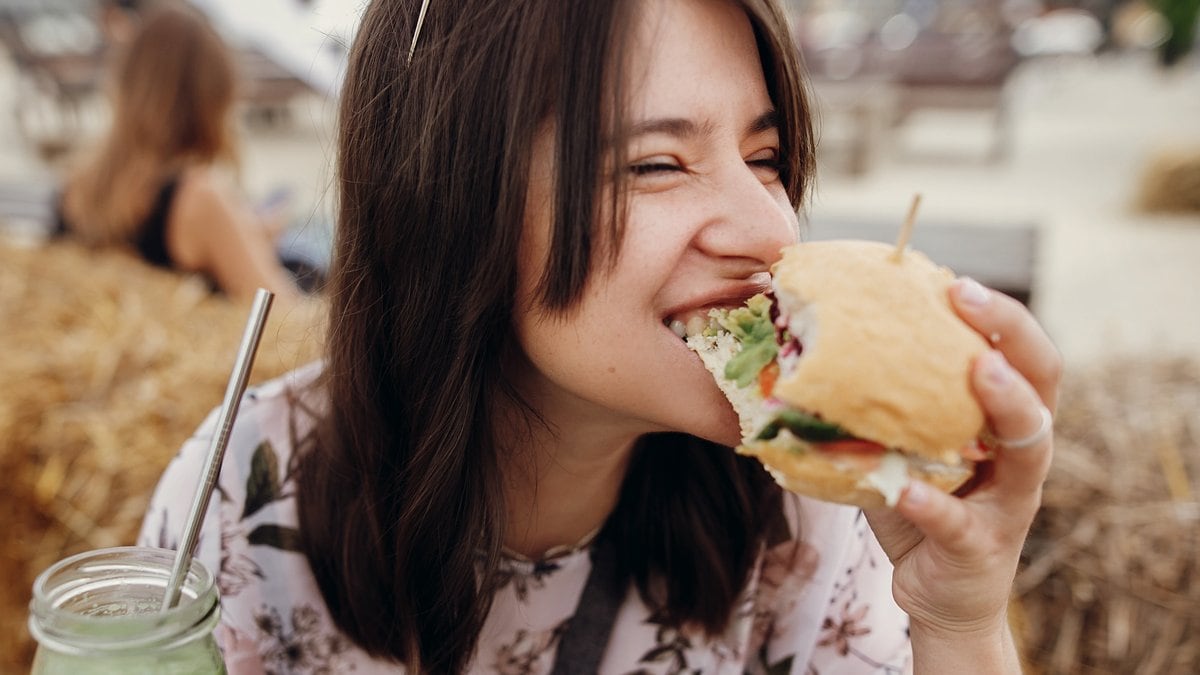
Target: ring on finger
[{"x": 1045, "y": 426}]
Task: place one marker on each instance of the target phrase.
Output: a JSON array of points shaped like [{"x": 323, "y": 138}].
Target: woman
[
  {"x": 507, "y": 462},
  {"x": 154, "y": 184}
]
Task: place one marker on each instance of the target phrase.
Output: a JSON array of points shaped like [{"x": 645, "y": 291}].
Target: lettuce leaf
[
  {"x": 752, "y": 327},
  {"x": 803, "y": 426}
]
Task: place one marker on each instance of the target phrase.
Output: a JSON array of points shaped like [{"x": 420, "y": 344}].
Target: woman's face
[{"x": 707, "y": 215}]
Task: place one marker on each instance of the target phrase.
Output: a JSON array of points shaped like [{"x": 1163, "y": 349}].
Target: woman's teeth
[{"x": 695, "y": 325}]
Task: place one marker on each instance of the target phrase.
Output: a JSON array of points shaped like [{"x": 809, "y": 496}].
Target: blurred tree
[{"x": 1181, "y": 15}]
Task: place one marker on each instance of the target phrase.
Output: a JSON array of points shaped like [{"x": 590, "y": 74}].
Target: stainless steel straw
[{"x": 216, "y": 449}]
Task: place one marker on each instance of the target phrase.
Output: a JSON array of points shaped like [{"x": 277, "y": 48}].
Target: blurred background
[{"x": 1056, "y": 146}]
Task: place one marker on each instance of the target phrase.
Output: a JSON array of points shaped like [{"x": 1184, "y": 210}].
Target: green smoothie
[{"x": 98, "y": 612}]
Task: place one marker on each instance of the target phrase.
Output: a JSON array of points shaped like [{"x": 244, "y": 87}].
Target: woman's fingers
[
  {"x": 976, "y": 540},
  {"x": 945, "y": 520},
  {"x": 968, "y": 547},
  {"x": 1017, "y": 385},
  {"x": 1011, "y": 329},
  {"x": 1020, "y": 426},
  {"x": 999, "y": 512}
]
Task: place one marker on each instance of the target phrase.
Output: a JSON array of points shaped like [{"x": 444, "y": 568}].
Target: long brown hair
[
  {"x": 402, "y": 511},
  {"x": 172, "y": 91}
]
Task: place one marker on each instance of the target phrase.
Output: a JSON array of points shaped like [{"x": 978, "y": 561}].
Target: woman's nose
[{"x": 751, "y": 219}]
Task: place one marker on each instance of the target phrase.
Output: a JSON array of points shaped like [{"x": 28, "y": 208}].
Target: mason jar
[{"x": 98, "y": 612}]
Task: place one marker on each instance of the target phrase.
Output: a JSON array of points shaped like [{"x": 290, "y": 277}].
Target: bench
[{"x": 1001, "y": 256}]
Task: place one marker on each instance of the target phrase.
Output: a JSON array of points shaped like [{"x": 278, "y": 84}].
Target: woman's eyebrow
[
  {"x": 765, "y": 122},
  {"x": 671, "y": 126},
  {"x": 683, "y": 127}
]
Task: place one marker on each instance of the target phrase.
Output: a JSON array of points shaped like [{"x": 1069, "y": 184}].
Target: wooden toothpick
[{"x": 906, "y": 229}]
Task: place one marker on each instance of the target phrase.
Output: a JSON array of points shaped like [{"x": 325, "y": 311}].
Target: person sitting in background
[{"x": 154, "y": 181}]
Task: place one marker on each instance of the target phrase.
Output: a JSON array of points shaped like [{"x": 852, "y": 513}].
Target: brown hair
[
  {"x": 402, "y": 512},
  {"x": 172, "y": 91}
]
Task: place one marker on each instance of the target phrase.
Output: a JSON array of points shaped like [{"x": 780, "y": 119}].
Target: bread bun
[
  {"x": 874, "y": 349},
  {"x": 820, "y": 475},
  {"x": 884, "y": 354}
]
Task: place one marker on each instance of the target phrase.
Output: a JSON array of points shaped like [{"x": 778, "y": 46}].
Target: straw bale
[
  {"x": 108, "y": 365},
  {"x": 1171, "y": 182},
  {"x": 1110, "y": 579}
]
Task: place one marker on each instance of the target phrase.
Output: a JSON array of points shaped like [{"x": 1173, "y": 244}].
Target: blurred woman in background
[{"x": 154, "y": 181}]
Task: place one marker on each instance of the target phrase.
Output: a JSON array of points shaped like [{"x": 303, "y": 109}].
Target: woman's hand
[{"x": 956, "y": 557}]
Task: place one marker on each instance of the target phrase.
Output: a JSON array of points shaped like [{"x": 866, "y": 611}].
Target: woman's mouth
[
  {"x": 691, "y": 322},
  {"x": 693, "y": 316}
]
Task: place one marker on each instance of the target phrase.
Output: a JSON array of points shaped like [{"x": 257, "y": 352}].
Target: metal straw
[
  {"x": 216, "y": 449},
  {"x": 417, "y": 31}
]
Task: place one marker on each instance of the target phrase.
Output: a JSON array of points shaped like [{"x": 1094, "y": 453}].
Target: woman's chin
[
  {"x": 719, "y": 426},
  {"x": 694, "y": 403},
  {"x": 729, "y": 436}
]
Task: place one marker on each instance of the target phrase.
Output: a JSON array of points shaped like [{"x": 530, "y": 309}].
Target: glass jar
[{"x": 98, "y": 612}]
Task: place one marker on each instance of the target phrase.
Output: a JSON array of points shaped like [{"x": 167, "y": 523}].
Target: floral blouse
[{"x": 815, "y": 605}]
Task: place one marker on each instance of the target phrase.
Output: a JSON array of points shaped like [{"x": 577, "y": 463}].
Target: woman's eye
[
  {"x": 652, "y": 167},
  {"x": 767, "y": 161}
]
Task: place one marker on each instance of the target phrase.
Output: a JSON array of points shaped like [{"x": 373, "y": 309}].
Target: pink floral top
[{"x": 821, "y": 604}]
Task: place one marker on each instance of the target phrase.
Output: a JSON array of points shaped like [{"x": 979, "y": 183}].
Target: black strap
[
  {"x": 583, "y": 642},
  {"x": 151, "y": 239}
]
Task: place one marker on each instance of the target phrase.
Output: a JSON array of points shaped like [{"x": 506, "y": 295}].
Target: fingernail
[
  {"x": 971, "y": 292},
  {"x": 997, "y": 371}
]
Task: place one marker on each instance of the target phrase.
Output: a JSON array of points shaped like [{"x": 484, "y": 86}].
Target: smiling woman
[
  {"x": 703, "y": 214},
  {"x": 508, "y": 461}
]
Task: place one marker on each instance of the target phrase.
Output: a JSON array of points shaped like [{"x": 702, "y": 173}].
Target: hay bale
[
  {"x": 1171, "y": 183},
  {"x": 1110, "y": 579},
  {"x": 108, "y": 366}
]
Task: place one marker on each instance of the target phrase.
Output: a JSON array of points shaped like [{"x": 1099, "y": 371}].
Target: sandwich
[{"x": 852, "y": 375}]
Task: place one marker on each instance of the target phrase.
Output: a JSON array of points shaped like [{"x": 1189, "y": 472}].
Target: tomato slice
[
  {"x": 767, "y": 378},
  {"x": 863, "y": 455},
  {"x": 975, "y": 452}
]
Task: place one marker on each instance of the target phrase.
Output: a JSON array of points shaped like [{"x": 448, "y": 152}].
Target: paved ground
[{"x": 1109, "y": 280}]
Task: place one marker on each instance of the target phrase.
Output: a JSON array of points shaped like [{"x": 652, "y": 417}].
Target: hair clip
[{"x": 417, "y": 31}]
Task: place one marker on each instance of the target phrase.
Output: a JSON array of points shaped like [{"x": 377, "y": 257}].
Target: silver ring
[{"x": 1042, "y": 433}]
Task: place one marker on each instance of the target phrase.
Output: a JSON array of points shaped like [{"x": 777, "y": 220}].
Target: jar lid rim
[{"x": 99, "y": 584}]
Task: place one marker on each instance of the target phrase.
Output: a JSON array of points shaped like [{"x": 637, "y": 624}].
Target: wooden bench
[{"x": 1001, "y": 256}]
